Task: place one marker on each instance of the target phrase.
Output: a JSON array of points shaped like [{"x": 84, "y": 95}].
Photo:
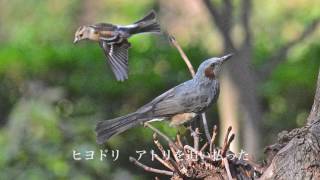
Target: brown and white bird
[
  {"x": 113, "y": 39},
  {"x": 179, "y": 104}
]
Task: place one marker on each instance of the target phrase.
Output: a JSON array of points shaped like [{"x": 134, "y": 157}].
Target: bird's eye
[
  {"x": 212, "y": 65},
  {"x": 80, "y": 35}
]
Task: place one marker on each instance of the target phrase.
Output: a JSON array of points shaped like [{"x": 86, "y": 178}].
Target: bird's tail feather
[
  {"x": 108, "y": 128},
  {"x": 147, "y": 24}
]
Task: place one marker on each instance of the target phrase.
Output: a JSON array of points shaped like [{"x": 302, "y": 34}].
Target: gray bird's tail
[
  {"x": 108, "y": 128},
  {"x": 148, "y": 24}
]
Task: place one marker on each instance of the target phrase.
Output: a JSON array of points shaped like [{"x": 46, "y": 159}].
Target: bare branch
[
  {"x": 170, "y": 142},
  {"x": 226, "y": 142},
  {"x": 199, "y": 153},
  {"x": 160, "y": 147},
  {"x": 150, "y": 169},
  {"x": 215, "y": 14},
  {"x": 165, "y": 163},
  {"x": 179, "y": 142},
  {"x": 280, "y": 55},
  {"x": 183, "y": 55},
  {"x": 204, "y": 147},
  {"x": 226, "y": 165},
  {"x": 193, "y": 163},
  {"x": 223, "y": 21},
  {"x": 214, "y": 134}
]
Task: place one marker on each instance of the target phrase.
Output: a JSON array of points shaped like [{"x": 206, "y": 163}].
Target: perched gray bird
[
  {"x": 179, "y": 104},
  {"x": 113, "y": 39}
]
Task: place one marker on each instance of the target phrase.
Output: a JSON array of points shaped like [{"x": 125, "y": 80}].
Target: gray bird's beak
[
  {"x": 226, "y": 57},
  {"x": 75, "y": 40}
]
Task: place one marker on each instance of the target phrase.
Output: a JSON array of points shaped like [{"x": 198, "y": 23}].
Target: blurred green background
[{"x": 53, "y": 92}]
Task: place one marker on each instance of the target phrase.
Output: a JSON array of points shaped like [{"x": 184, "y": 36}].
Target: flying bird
[
  {"x": 113, "y": 39},
  {"x": 178, "y": 105}
]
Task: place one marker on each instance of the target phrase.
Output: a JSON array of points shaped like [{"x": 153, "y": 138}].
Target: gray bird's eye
[
  {"x": 213, "y": 64},
  {"x": 80, "y": 35}
]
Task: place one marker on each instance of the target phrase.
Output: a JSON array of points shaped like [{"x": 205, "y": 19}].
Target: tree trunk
[
  {"x": 247, "y": 113},
  {"x": 238, "y": 75},
  {"x": 296, "y": 154}
]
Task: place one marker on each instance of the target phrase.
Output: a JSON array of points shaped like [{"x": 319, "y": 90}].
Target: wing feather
[{"x": 117, "y": 55}]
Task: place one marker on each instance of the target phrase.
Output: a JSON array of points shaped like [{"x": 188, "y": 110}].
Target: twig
[
  {"x": 175, "y": 166},
  {"x": 160, "y": 147},
  {"x": 170, "y": 142},
  {"x": 192, "y": 72},
  {"x": 199, "y": 153},
  {"x": 226, "y": 165},
  {"x": 165, "y": 163},
  {"x": 150, "y": 169},
  {"x": 194, "y": 163},
  {"x": 179, "y": 142},
  {"x": 279, "y": 56},
  {"x": 165, "y": 157},
  {"x": 214, "y": 134},
  {"x": 182, "y": 54},
  {"x": 225, "y": 142},
  {"x": 204, "y": 147},
  {"x": 174, "y": 153},
  {"x": 195, "y": 135}
]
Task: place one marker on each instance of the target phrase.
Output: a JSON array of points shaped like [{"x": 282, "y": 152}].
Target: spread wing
[{"x": 117, "y": 55}]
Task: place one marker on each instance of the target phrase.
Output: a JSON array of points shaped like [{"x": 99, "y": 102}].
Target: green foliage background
[{"x": 52, "y": 92}]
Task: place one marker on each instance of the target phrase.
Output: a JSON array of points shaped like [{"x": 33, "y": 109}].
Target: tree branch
[
  {"x": 150, "y": 169},
  {"x": 280, "y": 55},
  {"x": 215, "y": 14},
  {"x": 223, "y": 20},
  {"x": 183, "y": 55},
  {"x": 170, "y": 142}
]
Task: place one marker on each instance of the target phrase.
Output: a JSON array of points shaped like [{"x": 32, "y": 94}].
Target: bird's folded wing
[
  {"x": 172, "y": 102},
  {"x": 117, "y": 55}
]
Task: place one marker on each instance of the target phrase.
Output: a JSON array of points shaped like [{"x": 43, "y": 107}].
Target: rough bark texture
[
  {"x": 315, "y": 111},
  {"x": 296, "y": 154}
]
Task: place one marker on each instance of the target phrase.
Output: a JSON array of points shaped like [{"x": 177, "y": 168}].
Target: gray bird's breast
[{"x": 200, "y": 96}]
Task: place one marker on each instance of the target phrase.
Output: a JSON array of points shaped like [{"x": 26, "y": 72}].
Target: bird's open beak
[
  {"x": 75, "y": 40},
  {"x": 226, "y": 57}
]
